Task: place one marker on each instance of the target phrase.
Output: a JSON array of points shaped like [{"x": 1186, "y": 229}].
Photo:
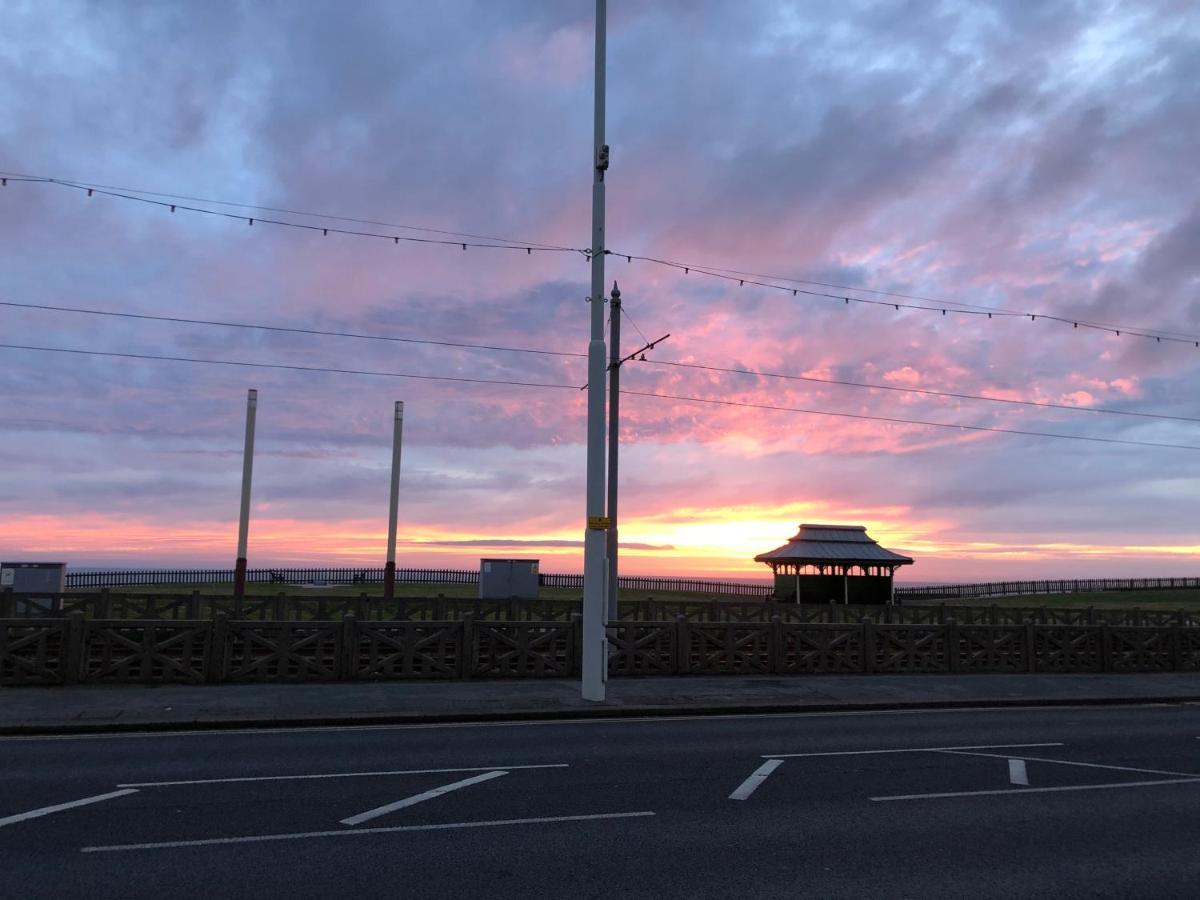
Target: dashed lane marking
[
  {"x": 910, "y": 750},
  {"x": 360, "y": 832},
  {"x": 1033, "y": 790},
  {"x": 59, "y": 807},
  {"x": 147, "y": 784},
  {"x": 1017, "y": 773},
  {"x": 757, "y": 777},
  {"x": 419, "y": 798}
]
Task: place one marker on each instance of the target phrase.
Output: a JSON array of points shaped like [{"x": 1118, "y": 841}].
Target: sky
[{"x": 1030, "y": 156}]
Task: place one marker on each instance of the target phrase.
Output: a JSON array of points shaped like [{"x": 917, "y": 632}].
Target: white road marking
[
  {"x": 1033, "y": 790},
  {"x": 1017, "y": 773},
  {"x": 906, "y": 750},
  {"x": 363, "y": 831},
  {"x": 59, "y": 807},
  {"x": 419, "y": 798},
  {"x": 1085, "y": 765},
  {"x": 146, "y": 784},
  {"x": 757, "y": 777}
]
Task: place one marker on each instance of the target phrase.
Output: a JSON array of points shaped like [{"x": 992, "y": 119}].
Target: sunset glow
[{"x": 913, "y": 163}]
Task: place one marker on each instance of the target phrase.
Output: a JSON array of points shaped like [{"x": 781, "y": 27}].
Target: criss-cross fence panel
[
  {"x": 147, "y": 652},
  {"x": 391, "y": 650},
  {"x": 988, "y": 648},
  {"x": 282, "y": 651},
  {"x": 724, "y": 648},
  {"x": 35, "y": 652},
  {"x": 1070, "y": 648},
  {"x": 819, "y": 649},
  {"x": 906, "y": 648},
  {"x": 643, "y": 648},
  {"x": 1142, "y": 649},
  {"x": 521, "y": 649}
]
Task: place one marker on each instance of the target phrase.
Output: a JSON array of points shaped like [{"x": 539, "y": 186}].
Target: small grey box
[
  {"x": 32, "y": 578},
  {"x": 502, "y": 579}
]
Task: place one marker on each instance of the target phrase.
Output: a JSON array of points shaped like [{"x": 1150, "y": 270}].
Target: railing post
[
  {"x": 868, "y": 646},
  {"x": 1177, "y": 648},
  {"x": 952, "y": 654},
  {"x": 347, "y": 667},
  {"x": 8, "y": 605},
  {"x": 1030, "y": 647},
  {"x": 193, "y": 606},
  {"x": 1106, "y": 662},
  {"x": 466, "y": 658},
  {"x": 775, "y": 646},
  {"x": 214, "y": 668},
  {"x": 72, "y": 651},
  {"x": 103, "y": 607},
  {"x": 683, "y": 647}
]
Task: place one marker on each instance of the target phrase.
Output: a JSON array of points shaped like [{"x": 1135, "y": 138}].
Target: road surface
[{"x": 1078, "y": 802}]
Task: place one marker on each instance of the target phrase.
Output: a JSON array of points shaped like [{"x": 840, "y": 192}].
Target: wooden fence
[
  {"x": 1025, "y": 588},
  {"x": 75, "y": 650},
  {"x": 305, "y": 607},
  {"x": 433, "y": 577}
]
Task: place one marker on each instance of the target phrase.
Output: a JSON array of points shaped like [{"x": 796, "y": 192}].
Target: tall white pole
[
  {"x": 595, "y": 640},
  {"x": 239, "y": 575},
  {"x": 389, "y": 571}
]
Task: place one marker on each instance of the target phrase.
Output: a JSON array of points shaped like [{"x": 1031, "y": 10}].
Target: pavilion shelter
[{"x": 833, "y": 564}]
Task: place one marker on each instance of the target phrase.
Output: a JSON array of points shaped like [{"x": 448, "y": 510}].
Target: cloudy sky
[{"x": 1031, "y": 156}]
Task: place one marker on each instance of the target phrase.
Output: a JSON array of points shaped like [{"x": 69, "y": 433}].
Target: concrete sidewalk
[{"x": 88, "y": 709}]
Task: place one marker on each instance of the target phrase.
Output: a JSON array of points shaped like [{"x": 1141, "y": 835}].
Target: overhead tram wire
[
  {"x": 570, "y": 387},
  {"x": 564, "y": 354},
  {"x": 291, "y": 368},
  {"x": 911, "y": 390},
  {"x": 487, "y": 243},
  {"x": 943, "y": 307},
  {"x": 900, "y": 421},
  {"x": 284, "y": 329}
]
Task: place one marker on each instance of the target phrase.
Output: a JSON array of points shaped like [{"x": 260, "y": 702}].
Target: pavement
[
  {"x": 1055, "y": 802},
  {"x": 92, "y": 708}
]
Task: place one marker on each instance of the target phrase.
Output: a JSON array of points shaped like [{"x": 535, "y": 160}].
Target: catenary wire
[
  {"x": 900, "y": 421},
  {"x": 910, "y": 390},
  {"x": 660, "y": 396},
  {"x": 288, "y": 329},
  {"x": 291, "y": 368},
  {"x": 560, "y": 353}
]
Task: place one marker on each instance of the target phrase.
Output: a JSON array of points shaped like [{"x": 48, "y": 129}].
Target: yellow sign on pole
[{"x": 599, "y": 523}]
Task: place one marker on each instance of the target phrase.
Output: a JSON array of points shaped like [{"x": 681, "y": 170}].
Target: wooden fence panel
[
  {"x": 148, "y": 652},
  {"x": 1144, "y": 649},
  {"x": 1069, "y": 648},
  {"x": 522, "y": 649},
  {"x": 33, "y": 652},
  {"x": 989, "y": 648},
  {"x": 393, "y": 650},
  {"x": 820, "y": 649},
  {"x": 643, "y": 648},
  {"x": 724, "y": 648},
  {"x": 283, "y": 651},
  {"x": 907, "y": 649}
]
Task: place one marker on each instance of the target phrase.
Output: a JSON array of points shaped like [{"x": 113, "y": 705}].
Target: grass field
[{"x": 1156, "y": 599}]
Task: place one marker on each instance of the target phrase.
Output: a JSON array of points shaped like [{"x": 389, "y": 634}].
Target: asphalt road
[{"x": 1102, "y": 802}]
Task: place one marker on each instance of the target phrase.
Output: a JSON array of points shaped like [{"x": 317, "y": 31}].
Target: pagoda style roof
[{"x": 818, "y": 544}]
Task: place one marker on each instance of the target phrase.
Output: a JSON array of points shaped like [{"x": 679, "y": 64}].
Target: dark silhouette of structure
[{"x": 833, "y": 564}]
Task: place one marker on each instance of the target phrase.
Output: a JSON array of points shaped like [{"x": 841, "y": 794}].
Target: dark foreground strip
[{"x": 575, "y": 713}]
